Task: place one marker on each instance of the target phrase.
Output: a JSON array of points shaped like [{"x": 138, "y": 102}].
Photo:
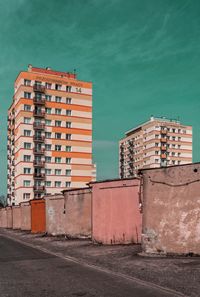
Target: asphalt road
[{"x": 28, "y": 272}]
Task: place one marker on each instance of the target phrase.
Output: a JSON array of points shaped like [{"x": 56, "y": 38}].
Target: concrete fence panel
[
  {"x": 55, "y": 214},
  {"x": 3, "y": 218},
  {"x": 25, "y": 216},
  {"x": 116, "y": 217},
  {"x": 16, "y": 212},
  {"x": 171, "y": 211},
  {"x": 77, "y": 205},
  {"x": 9, "y": 217}
]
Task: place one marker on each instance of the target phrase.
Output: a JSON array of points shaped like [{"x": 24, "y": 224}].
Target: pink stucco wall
[
  {"x": 16, "y": 211},
  {"x": 9, "y": 217},
  {"x": 25, "y": 216},
  {"x": 3, "y": 218},
  {"x": 77, "y": 204},
  {"x": 55, "y": 214},
  {"x": 171, "y": 210},
  {"x": 116, "y": 217}
]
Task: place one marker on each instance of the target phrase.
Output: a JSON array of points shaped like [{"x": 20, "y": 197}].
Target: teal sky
[{"x": 142, "y": 56}]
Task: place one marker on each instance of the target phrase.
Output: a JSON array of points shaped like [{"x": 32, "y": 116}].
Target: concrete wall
[
  {"x": 55, "y": 214},
  {"x": 171, "y": 210},
  {"x": 78, "y": 212},
  {"x": 16, "y": 211},
  {"x": 3, "y": 218},
  {"x": 116, "y": 218},
  {"x": 25, "y": 216},
  {"x": 9, "y": 217}
]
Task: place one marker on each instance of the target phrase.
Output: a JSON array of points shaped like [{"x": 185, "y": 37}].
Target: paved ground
[
  {"x": 180, "y": 274},
  {"x": 25, "y": 271}
]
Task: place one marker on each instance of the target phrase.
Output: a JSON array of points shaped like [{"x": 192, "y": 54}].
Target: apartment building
[
  {"x": 158, "y": 142},
  {"x": 49, "y": 134}
]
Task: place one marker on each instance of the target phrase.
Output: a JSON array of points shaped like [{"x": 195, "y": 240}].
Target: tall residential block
[
  {"x": 157, "y": 143},
  {"x": 49, "y": 134}
]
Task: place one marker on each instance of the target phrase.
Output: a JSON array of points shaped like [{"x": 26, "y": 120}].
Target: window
[
  {"x": 48, "y": 171},
  {"x": 179, "y": 130},
  {"x": 57, "y": 111},
  {"x": 58, "y": 99},
  {"x": 68, "y": 124},
  {"x": 48, "y": 159},
  {"x": 48, "y": 97},
  {"x": 58, "y": 147},
  {"x": 68, "y": 148},
  {"x": 57, "y": 159},
  {"x": 179, "y": 154},
  {"x": 47, "y": 147},
  {"x": 48, "y": 86},
  {"x": 68, "y": 112},
  {"x": 27, "y": 120},
  {"x": 27, "y": 132},
  {"x": 48, "y": 122},
  {"x": 179, "y": 138},
  {"x": 179, "y": 146},
  {"x": 27, "y": 95},
  {"x": 27, "y": 158},
  {"x": 27, "y": 82},
  {"x": 27, "y": 145},
  {"x": 179, "y": 162},
  {"x": 38, "y": 83},
  {"x": 68, "y": 100},
  {"x": 68, "y": 184},
  {"x": 48, "y": 110},
  {"x": 58, "y": 184},
  {"x": 68, "y": 88},
  {"x": 68, "y": 136},
  {"x": 48, "y": 134},
  {"x": 58, "y": 87},
  {"x": 58, "y": 123},
  {"x": 173, "y": 138},
  {"x": 156, "y": 136},
  {"x": 26, "y": 196},
  {"x": 27, "y": 183},
  {"x": 58, "y": 135},
  {"x": 68, "y": 172},
  {"x": 173, "y": 154},
  {"x": 27, "y": 107},
  {"x": 156, "y": 160},
  {"x": 156, "y": 152},
  {"x": 173, "y": 130},
  {"x": 57, "y": 171},
  {"x": 156, "y": 144},
  {"x": 173, "y": 162},
  {"x": 48, "y": 183},
  {"x": 68, "y": 160},
  {"x": 27, "y": 170}
]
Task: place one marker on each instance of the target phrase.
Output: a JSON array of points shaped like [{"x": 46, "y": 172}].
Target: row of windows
[
  {"x": 57, "y": 184},
  {"x": 39, "y": 134},
  {"x": 38, "y": 159},
  {"x": 40, "y": 110},
  {"x": 55, "y": 86},
  {"x": 49, "y": 171},
  {"x": 48, "y": 147},
  {"x": 48, "y": 122},
  {"x": 49, "y": 98}
]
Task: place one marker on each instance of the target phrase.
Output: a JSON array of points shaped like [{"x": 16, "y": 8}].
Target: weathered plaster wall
[
  {"x": 16, "y": 212},
  {"x": 55, "y": 214},
  {"x": 9, "y": 217},
  {"x": 25, "y": 216},
  {"x": 77, "y": 204},
  {"x": 116, "y": 217},
  {"x": 171, "y": 210},
  {"x": 3, "y": 218}
]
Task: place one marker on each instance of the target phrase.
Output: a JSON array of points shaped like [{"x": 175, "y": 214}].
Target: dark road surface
[{"x": 28, "y": 272}]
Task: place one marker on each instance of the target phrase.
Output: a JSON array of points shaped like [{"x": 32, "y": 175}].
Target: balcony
[
  {"x": 38, "y": 113},
  {"x": 39, "y": 126},
  {"x": 39, "y": 151},
  {"x": 39, "y": 175},
  {"x": 38, "y": 138},
  {"x": 163, "y": 131},
  {"x": 39, "y": 163},
  {"x": 163, "y": 148},
  {"x": 164, "y": 140},
  {"x": 38, "y": 88},
  {"x": 39, "y": 188},
  {"x": 39, "y": 101},
  {"x": 163, "y": 156}
]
